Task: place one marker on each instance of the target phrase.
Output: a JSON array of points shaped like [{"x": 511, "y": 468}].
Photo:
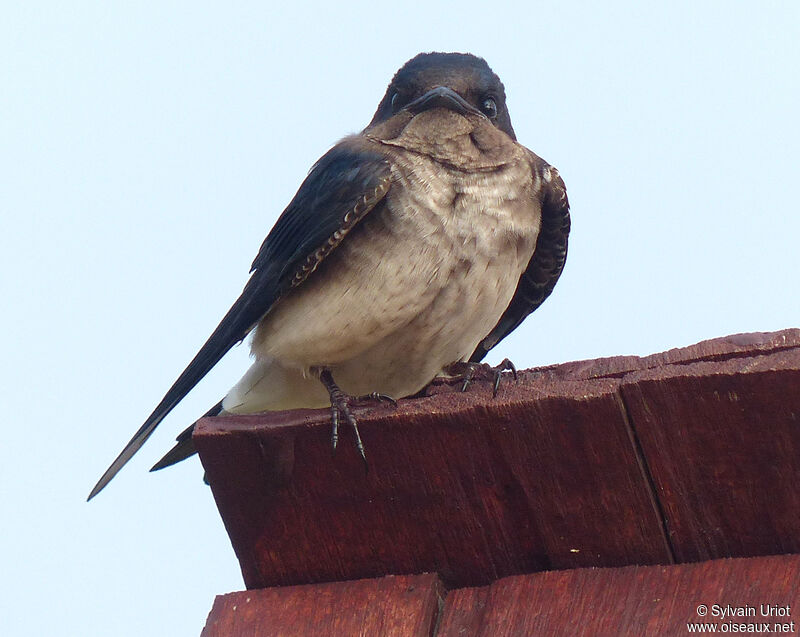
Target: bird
[{"x": 410, "y": 248}]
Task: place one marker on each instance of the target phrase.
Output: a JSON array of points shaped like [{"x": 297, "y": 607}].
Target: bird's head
[{"x": 459, "y": 82}]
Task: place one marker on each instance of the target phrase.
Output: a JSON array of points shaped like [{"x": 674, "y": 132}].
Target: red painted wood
[
  {"x": 405, "y": 606},
  {"x": 633, "y": 600},
  {"x": 690, "y": 453},
  {"x": 722, "y": 441},
  {"x": 716, "y": 349},
  {"x": 474, "y": 488},
  {"x": 654, "y": 600}
]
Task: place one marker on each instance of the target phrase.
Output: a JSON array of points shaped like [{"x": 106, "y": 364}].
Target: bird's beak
[{"x": 442, "y": 97}]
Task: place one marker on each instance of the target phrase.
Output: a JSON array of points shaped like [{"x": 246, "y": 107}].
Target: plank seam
[{"x": 647, "y": 474}]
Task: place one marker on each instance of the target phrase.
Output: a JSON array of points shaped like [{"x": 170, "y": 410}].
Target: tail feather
[
  {"x": 135, "y": 443},
  {"x": 235, "y": 326},
  {"x": 185, "y": 447}
]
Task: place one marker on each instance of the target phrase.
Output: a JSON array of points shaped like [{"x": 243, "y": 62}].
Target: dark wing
[
  {"x": 342, "y": 187},
  {"x": 545, "y": 266}
]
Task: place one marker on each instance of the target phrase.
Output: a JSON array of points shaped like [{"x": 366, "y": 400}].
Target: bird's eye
[{"x": 489, "y": 107}]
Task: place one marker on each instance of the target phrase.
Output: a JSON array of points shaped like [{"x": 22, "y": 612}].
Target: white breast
[{"x": 414, "y": 288}]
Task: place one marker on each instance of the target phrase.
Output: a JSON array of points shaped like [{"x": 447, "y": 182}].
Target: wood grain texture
[
  {"x": 653, "y": 600},
  {"x": 680, "y": 456},
  {"x": 722, "y": 441},
  {"x": 716, "y": 349},
  {"x": 405, "y": 606},
  {"x": 544, "y": 476}
]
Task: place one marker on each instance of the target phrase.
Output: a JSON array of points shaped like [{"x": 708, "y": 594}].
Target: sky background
[{"x": 147, "y": 148}]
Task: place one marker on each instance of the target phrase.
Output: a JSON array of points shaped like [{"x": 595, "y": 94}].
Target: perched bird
[{"x": 417, "y": 244}]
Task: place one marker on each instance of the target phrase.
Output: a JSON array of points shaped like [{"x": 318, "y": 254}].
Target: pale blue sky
[{"x": 147, "y": 148}]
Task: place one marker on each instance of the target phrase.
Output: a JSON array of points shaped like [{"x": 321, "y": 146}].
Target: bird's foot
[
  {"x": 340, "y": 410},
  {"x": 469, "y": 372},
  {"x": 381, "y": 398}
]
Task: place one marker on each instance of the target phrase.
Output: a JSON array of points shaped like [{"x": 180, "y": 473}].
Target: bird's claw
[
  {"x": 470, "y": 371},
  {"x": 382, "y": 398},
  {"x": 340, "y": 408},
  {"x": 505, "y": 365}
]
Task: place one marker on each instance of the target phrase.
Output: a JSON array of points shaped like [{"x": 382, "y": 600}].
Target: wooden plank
[
  {"x": 563, "y": 469},
  {"x": 544, "y": 476},
  {"x": 722, "y": 441},
  {"x": 715, "y": 349},
  {"x": 634, "y": 600},
  {"x": 405, "y": 606}
]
